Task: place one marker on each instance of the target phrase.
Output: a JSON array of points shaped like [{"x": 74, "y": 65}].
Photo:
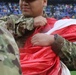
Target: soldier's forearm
[{"x": 66, "y": 51}]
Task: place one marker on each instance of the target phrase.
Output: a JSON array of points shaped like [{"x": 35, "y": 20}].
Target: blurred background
[{"x": 56, "y": 8}]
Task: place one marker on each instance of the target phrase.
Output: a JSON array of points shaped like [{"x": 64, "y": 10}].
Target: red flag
[{"x": 36, "y": 60}]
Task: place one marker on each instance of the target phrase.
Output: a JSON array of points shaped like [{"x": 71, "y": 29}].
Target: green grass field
[{"x": 73, "y": 72}]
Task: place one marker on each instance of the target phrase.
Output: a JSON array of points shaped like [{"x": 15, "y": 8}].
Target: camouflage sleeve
[
  {"x": 24, "y": 24},
  {"x": 66, "y": 51},
  {"x": 17, "y": 24},
  {"x": 9, "y": 54}
]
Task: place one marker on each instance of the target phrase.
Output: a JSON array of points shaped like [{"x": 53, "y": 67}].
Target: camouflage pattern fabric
[
  {"x": 69, "y": 54},
  {"x": 9, "y": 54}
]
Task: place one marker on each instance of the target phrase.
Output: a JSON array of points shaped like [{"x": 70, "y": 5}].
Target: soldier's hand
[
  {"x": 42, "y": 39},
  {"x": 39, "y": 21}
]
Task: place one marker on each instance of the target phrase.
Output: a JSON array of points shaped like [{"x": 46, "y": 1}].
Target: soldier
[{"x": 34, "y": 8}]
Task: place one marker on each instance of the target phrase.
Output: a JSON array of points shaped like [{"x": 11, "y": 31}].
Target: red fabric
[
  {"x": 36, "y": 60},
  {"x": 68, "y": 33}
]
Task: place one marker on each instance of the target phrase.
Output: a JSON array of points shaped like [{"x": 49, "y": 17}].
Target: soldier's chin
[{"x": 27, "y": 14}]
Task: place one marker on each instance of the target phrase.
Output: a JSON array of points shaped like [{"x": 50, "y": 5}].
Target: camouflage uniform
[{"x": 65, "y": 49}]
